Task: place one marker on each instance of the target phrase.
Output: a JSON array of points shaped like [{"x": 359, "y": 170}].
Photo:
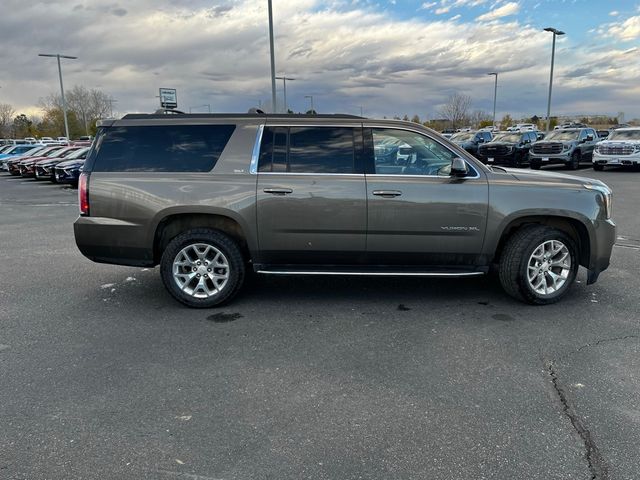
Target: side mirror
[
  {"x": 459, "y": 168},
  {"x": 589, "y": 138}
]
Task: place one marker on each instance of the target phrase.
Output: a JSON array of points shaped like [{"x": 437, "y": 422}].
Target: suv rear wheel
[
  {"x": 538, "y": 264},
  {"x": 202, "y": 268}
]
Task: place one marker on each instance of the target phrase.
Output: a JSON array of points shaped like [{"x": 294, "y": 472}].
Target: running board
[{"x": 365, "y": 273}]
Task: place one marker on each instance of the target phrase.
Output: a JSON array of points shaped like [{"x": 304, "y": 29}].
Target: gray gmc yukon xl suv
[{"x": 208, "y": 196}]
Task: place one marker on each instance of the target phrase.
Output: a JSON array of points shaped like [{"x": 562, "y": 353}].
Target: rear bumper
[{"x": 107, "y": 240}]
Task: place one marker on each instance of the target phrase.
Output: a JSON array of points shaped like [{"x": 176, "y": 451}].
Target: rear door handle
[
  {"x": 387, "y": 193},
  {"x": 278, "y": 191}
]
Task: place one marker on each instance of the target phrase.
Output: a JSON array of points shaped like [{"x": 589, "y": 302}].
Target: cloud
[
  {"x": 505, "y": 10},
  {"x": 440, "y": 11},
  {"x": 625, "y": 31},
  {"x": 219, "y": 55},
  {"x": 427, "y": 5},
  {"x": 614, "y": 13}
]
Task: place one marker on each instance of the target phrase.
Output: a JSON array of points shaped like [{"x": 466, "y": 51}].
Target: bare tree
[
  {"x": 479, "y": 118},
  {"x": 456, "y": 108},
  {"x": 6, "y": 119},
  {"x": 86, "y": 105}
]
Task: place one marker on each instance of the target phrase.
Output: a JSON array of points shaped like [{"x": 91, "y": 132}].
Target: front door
[
  {"x": 417, "y": 213},
  {"x": 311, "y": 196}
]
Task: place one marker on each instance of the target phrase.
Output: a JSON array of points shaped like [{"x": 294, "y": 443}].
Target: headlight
[
  {"x": 636, "y": 148},
  {"x": 606, "y": 197},
  {"x": 565, "y": 147}
]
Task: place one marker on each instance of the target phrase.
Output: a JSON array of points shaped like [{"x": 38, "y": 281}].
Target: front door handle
[
  {"x": 278, "y": 191},
  {"x": 387, "y": 193}
]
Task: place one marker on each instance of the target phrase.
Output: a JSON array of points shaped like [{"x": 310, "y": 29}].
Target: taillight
[{"x": 83, "y": 193}]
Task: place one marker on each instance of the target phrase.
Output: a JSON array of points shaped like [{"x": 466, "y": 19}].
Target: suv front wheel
[
  {"x": 202, "y": 268},
  {"x": 538, "y": 264}
]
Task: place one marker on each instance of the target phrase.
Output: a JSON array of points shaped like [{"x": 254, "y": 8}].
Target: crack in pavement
[
  {"x": 605, "y": 340},
  {"x": 595, "y": 462}
]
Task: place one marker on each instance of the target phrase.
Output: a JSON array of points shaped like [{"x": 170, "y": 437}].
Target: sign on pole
[{"x": 168, "y": 98}]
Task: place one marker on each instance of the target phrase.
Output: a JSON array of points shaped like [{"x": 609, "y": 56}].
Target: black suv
[
  {"x": 470, "y": 141},
  {"x": 507, "y": 148}
]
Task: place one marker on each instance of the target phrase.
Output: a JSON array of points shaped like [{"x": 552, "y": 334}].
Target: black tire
[
  {"x": 597, "y": 167},
  {"x": 575, "y": 161},
  {"x": 514, "y": 263},
  {"x": 217, "y": 240}
]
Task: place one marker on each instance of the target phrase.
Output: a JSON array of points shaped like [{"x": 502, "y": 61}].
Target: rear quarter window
[{"x": 161, "y": 148}]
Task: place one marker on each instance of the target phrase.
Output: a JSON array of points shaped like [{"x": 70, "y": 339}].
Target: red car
[
  {"x": 28, "y": 166},
  {"x": 13, "y": 165}
]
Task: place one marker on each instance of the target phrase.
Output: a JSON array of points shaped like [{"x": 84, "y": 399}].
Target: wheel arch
[
  {"x": 171, "y": 224},
  {"x": 574, "y": 227}
]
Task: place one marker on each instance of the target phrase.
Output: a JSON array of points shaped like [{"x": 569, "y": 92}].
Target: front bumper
[
  {"x": 616, "y": 160},
  {"x": 544, "y": 159},
  {"x": 605, "y": 237},
  {"x": 509, "y": 159}
]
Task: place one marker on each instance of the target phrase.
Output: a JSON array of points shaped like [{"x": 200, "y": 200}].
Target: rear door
[
  {"x": 311, "y": 195},
  {"x": 417, "y": 213}
]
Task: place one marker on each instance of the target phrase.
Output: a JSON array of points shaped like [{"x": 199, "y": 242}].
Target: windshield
[
  {"x": 53, "y": 153},
  {"x": 82, "y": 153},
  {"x": 563, "y": 135},
  {"x": 507, "y": 137},
  {"x": 624, "y": 135},
  {"x": 463, "y": 136},
  {"x": 32, "y": 152}
]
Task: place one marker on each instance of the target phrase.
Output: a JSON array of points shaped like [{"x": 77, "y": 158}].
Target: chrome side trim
[
  {"x": 253, "y": 167},
  {"x": 374, "y": 274},
  {"x": 306, "y": 174}
]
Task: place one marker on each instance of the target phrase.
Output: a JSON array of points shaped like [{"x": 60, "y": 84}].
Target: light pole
[
  {"x": 311, "y": 98},
  {"x": 111, "y": 102},
  {"x": 273, "y": 60},
  {"x": 495, "y": 95},
  {"x": 553, "y": 54},
  {"x": 284, "y": 79},
  {"x": 64, "y": 103},
  {"x": 201, "y": 106}
]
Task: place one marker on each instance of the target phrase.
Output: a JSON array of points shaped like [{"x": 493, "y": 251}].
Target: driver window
[{"x": 400, "y": 152}]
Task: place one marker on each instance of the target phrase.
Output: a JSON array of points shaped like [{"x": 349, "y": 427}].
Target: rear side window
[
  {"x": 170, "y": 148},
  {"x": 307, "y": 150}
]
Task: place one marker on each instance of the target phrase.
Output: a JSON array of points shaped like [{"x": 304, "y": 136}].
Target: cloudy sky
[{"x": 391, "y": 57}]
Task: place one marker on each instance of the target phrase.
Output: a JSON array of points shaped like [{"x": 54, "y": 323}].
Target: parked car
[
  {"x": 69, "y": 170},
  {"x": 4, "y": 161},
  {"x": 14, "y": 151},
  {"x": 448, "y": 132},
  {"x": 470, "y": 140},
  {"x": 13, "y": 164},
  {"x": 522, "y": 127},
  {"x": 510, "y": 148},
  {"x": 622, "y": 147},
  {"x": 28, "y": 167},
  {"x": 45, "y": 169},
  {"x": 254, "y": 191},
  {"x": 568, "y": 147}
]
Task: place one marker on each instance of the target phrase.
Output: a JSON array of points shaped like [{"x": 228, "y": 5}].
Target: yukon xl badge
[{"x": 461, "y": 229}]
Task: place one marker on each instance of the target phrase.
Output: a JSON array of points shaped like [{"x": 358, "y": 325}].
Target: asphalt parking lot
[{"x": 103, "y": 375}]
